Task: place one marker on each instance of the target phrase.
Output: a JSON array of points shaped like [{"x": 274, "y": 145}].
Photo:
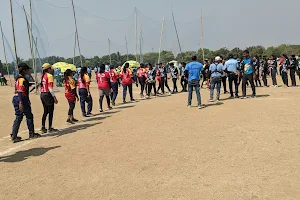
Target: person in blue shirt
[
  {"x": 232, "y": 69},
  {"x": 215, "y": 72},
  {"x": 193, "y": 71},
  {"x": 247, "y": 72},
  {"x": 224, "y": 76}
]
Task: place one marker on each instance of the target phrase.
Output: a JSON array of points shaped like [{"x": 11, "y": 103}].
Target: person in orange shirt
[
  {"x": 22, "y": 105},
  {"x": 70, "y": 94},
  {"x": 114, "y": 80},
  {"x": 84, "y": 82},
  {"x": 126, "y": 76},
  {"x": 48, "y": 97}
]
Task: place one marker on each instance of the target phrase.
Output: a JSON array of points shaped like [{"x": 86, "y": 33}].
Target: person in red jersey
[
  {"x": 48, "y": 97},
  {"x": 22, "y": 104},
  {"x": 114, "y": 81},
  {"x": 141, "y": 74},
  {"x": 84, "y": 82},
  {"x": 126, "y": 76},
  {"x": 104, "y": 87},
  {"x": 70, "y": 94}
]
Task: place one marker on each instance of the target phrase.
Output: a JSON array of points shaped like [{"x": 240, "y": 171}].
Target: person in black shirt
[
  {"x": 256, "y": 65},
  {"x": 264, "y": 71},
  {"x": 293, "y": 66},
  {"x": 183, "y": 79}
]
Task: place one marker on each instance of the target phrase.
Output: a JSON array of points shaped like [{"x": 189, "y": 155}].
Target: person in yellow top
[{"x": 48, "y": 97}]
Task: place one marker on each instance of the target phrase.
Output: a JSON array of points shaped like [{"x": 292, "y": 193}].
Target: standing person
[
  {"x": 232, "y": 69},
  {"x": 22, "y": 105},
  {"x": 183, "y": 79},
  {"x": 48, "y": 97},
  {"x": 141, "y": 74},
  {"x": 84, "y": 82},
  {"x": 283, "y": 68},
  {"x": 215, "y": 73},
  {"x": 293, "y": 67},
  {"x": 162, "y": 74},
  {"x": 256, "y": 65},
  {"x": 151, "y": 82},
  {"x": 126, "y": 76},
  {"x": 193, "y": 71},
  {"x": 89, "y": 71},
  {"x": 114, "y": 81},
  {"x": 205, "y": 72},
  {"x": 247, "y": 67},
  {"x": 272, "y": 65},
  {"x": 70, "y": 94},
  {"x": 264, "y": 71},
  {"x": 104, "y": 87},
  {"x": 224, "y": 75},
  {"x": 107, "y": 67},
  {"x": 174, "y": 74}
]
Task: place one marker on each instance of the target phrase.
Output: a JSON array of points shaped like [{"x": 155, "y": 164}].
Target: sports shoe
[
  {"x": 34, "y": 135},
  {"x": 109, "y": 108},
  {"x": 237, "y": 96},
  {"x": 11, "y": 137},
  {"x": 200, "y": 107},
  {"x": 74, "y": 120},
  {"x": 17, "y": 139},
  {"x": 253, "y": 96},
  {"x": 210, "y": 100},
  {"x": 43, "y": 130},
  {"x": 132, "y": 99},
  {"x": 189, "y": 106},
  {"x": 124, "y": 101},
  {"x": 70, "y": 121},
  {"x": 244, "y": 97},
  {"x": 101, "y": 111},
  {"x": 113, "y": 103},
  {"x": 51, "y": 130}
]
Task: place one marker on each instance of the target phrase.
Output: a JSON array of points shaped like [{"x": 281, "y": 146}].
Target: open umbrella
[
  {"x": 63, "y": 66},
  {"x": 132, "y": 64}
]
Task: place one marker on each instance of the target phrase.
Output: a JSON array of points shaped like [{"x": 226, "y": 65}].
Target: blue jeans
[
  {"x": 191, "y": 85},
  {"x": 84, "y": 98},
  {"x": 125, "y": 91},
  {"x": 215, "y": 82},
  {"x": 19, "y": 116},
  {"x": 114, "y": 94}
]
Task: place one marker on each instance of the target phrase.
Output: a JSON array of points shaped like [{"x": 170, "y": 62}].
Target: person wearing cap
[
  {"x": 48, "y": 97},
  {"x": 193, "y": 71},
  {"x": 247, "y": 71},
  {"x": 183, "y": 79},
  {"x": 232, "y": 69},
  {"x": 22, "y": 105},
  {"x": 174, "y": 74},
  {"x": 70, "y": 94},
  {"x": 84, "y": 82},
  {"x": 215, "y": 73}
]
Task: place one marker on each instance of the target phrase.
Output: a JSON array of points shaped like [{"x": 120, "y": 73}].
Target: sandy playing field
[{"x": 158, "y": 149}]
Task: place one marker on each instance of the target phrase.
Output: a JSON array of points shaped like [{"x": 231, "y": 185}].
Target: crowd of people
[{"x": 247, "y": 71}]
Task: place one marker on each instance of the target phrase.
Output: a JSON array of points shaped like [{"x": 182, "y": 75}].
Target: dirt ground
[{"x": 158, "y": 149}]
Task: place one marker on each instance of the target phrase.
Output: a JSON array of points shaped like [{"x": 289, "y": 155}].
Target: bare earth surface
[{"x": 158, "y": 149}]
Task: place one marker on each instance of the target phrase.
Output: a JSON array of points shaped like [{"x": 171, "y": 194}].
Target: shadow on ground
[{"x": 23, "y": 155}]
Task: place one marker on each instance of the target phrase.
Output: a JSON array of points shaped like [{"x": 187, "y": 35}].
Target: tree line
[{"x": 166, "y": 56}]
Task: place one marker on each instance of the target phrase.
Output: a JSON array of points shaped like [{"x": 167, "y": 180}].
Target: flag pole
[{"x": 161, "y": 37}]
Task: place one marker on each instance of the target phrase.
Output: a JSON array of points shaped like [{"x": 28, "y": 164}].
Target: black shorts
[{"x": 47, "y": 99}]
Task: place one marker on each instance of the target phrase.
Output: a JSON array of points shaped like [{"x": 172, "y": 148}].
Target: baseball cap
[
  {"x": 46, "y": 66},
  {"x": 218, "y": 58},
  {"x": 23, "y": 66}
]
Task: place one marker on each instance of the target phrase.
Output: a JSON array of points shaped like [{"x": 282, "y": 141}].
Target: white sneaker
[
  {"x": 200, "y": 107},
  {"x": 189, "y": 106},
  {"x": 276, "y": 86},
  {"x": 210, "y": 100}
]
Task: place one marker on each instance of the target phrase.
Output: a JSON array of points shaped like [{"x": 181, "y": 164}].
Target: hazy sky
[{"x": 227, "y": 23}]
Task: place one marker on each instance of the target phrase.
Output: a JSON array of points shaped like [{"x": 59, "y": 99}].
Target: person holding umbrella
[
  {"x": 48, "y": 97},
  {"x": 22, "y": 105}
]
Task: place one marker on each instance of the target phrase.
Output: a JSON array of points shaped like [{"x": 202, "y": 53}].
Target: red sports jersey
[
  {"x": 113, "y": 76},
  {"x": 69, "y": 86},
  {"x": 126, "y": 77},
  {"x": 19, "y": 86},
  {"x": 83, "y": 83},
  {"x": 141, "y": 72},
  {"x": 158, "y": 75},
  {"x": 103, "y": 80},
  {"x": 47, "y": 82}
]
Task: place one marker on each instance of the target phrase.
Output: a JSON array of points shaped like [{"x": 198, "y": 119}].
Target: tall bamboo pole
[
  {"x": 136, "y": 36},
  {"x": 161, "y": 37},
  {"x": 177, "y": 34},
  {"x": 109, "y": 51},
  {"x": 31, "y": 40},
  {"x": 77, "y": 32},
  {"x": 7, "y": 68},
  {"x": 202, "y": 36},
  {"x": 13, "y": 29},
  {"x": 140, "y": 42},
  {"x": 126, "y": 47},
  {"x": 75, "y": 48}
]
